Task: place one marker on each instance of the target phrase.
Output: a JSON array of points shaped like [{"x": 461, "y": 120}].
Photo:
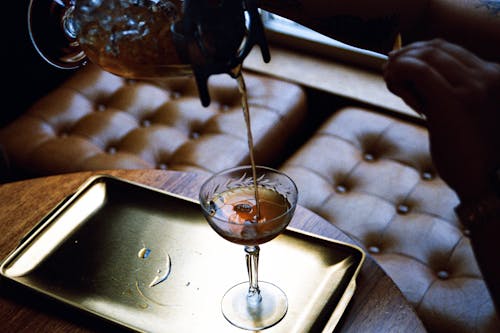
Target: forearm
[
  {"x": 485, "y": 244},
  {"x": 481, "y": 216},
  {"x": 369, "y": 24},
  {"x": 474, "y": 24}
]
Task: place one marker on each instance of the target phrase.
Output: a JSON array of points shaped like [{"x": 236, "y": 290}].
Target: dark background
[{"x": 28, "y": 76}]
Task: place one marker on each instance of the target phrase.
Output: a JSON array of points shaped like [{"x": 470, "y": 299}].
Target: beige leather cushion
[
  {"x": 371, "y": 175},
  {"x": 100, "y": 121}
]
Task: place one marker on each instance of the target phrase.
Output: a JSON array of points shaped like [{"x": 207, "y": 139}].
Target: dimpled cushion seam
[
  {"x": 99, "y": 121},
  {"x": 372, "y": 176}
]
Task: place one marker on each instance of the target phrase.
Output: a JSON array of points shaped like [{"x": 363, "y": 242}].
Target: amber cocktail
[{"x": 250, "y": 207}]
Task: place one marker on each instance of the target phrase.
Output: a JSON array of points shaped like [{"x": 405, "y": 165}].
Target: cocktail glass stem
[
  {"x": 252, "y": 257},
  {"x": 227, "y": 202}
]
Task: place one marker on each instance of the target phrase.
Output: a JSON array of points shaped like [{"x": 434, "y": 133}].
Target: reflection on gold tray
[{"x": 149, "y": 261}]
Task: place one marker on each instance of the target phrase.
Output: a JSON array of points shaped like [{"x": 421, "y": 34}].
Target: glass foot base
[{"x": 244, "y": 312}]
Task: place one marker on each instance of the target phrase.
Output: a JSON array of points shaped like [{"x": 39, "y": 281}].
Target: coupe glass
[{"x": 242, "y": 215}]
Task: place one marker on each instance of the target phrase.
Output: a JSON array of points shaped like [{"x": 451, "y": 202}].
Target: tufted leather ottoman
[
  {"x": 97, "y": 121},
  {"x": 371, "y": 175}
]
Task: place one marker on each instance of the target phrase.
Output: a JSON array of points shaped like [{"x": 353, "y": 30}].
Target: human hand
[{"x": 459, "y": 94}]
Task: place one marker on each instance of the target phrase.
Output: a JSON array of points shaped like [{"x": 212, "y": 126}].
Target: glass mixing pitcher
[{"x": 148, "y": 39}]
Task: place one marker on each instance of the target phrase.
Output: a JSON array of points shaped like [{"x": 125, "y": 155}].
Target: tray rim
[{"x": 48, "y": 218}]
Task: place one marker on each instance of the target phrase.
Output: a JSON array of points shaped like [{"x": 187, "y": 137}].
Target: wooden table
[{"x": 377, "y": 305}]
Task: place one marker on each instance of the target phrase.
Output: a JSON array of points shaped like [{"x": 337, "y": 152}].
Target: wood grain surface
[{"x": 377, "y": 305}]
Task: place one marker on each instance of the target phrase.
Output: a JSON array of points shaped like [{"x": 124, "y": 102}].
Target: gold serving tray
[{"x": 148, "y": 260}]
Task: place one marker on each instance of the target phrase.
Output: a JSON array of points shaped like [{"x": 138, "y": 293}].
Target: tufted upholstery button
[
  {"x": 173, "y": 110},
  {"x": 368, "y": 157},
  {"x": 162, "y": 166},
  {"x": 175, "y": 95},
  {"x": 403, "y": 209},
  {"x": 412, "y": 248},
  {"x": 466, "y": 232},
  {"x": 224, "y": 108},
  {"x": 443, "y": 275},
  {"x": 427, "y": 175},
  {"x": 340, "y": 189}
]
